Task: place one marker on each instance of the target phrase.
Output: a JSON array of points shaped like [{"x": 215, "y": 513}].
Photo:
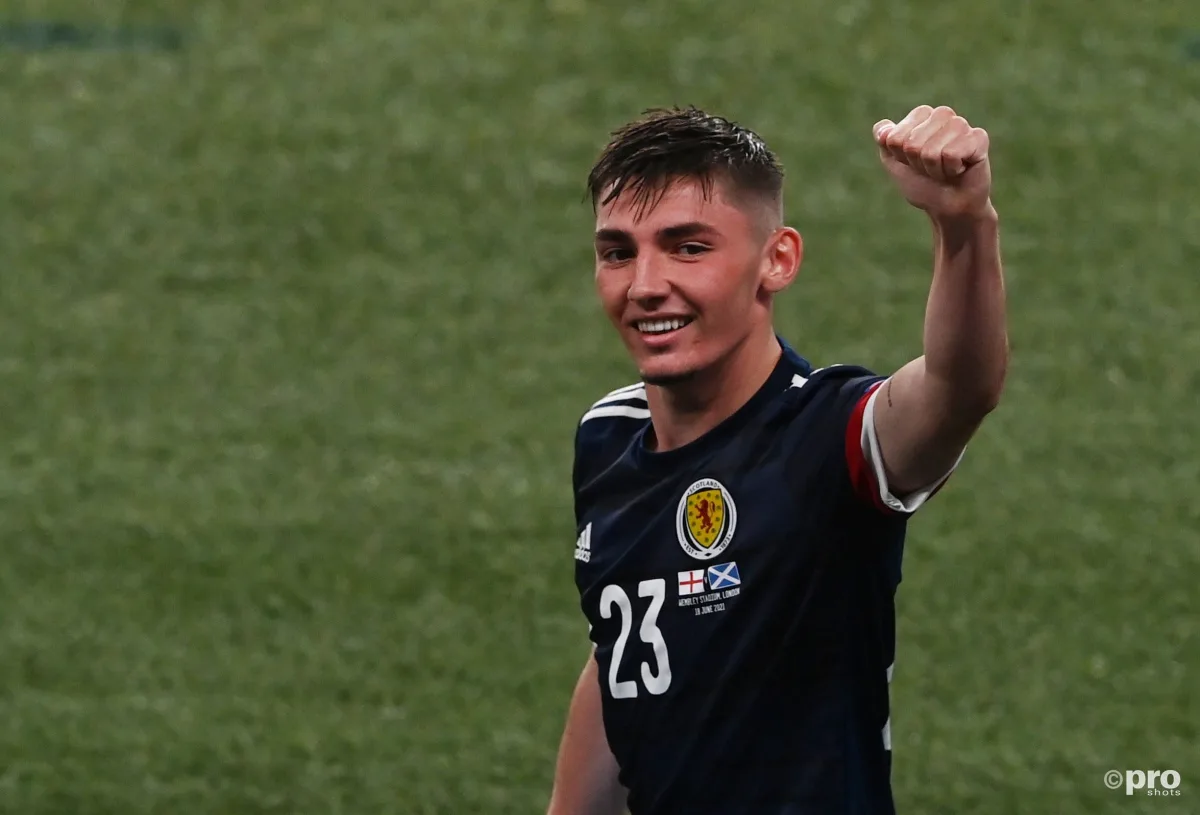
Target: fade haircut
[{"x": 667, "y": 145}]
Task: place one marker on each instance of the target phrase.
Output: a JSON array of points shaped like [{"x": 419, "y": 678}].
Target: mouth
[{"x": 661, "y": 327}]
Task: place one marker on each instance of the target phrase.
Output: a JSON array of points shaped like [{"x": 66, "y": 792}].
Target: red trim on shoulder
[{"x": 862, "y": 476}]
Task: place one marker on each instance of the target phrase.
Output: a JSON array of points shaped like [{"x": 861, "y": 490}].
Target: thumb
[{"x": 881, "y": 130}]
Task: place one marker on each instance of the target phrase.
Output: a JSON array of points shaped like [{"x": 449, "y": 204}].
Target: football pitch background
[{"x": 297, "y": 322}]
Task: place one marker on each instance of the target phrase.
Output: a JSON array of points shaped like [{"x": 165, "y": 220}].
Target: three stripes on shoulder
[{"x": 629, "y": 402}]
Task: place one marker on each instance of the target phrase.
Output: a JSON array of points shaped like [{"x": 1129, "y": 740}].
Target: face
[{"x": 690, "y": 281}]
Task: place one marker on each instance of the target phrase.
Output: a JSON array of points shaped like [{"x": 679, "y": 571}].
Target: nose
[{"x": 649, "y": 286}]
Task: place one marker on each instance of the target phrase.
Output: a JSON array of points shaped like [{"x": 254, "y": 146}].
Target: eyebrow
[{"x": 667, "y": 233}]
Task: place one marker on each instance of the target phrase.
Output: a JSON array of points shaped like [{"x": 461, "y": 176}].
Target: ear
[{"x": 781, "y": 260}]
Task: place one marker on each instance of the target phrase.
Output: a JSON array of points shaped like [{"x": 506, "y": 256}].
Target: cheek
[
  {"x": 731, "y": 292},
  {"x": 612, "y": 293}
]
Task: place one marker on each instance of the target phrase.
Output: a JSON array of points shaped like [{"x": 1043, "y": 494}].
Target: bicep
[{"x": 914, "y": 430}]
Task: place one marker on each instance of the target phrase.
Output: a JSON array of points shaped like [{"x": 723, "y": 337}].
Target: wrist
[
  {"x": 959, "y": 230},
  {"x": 984, "y": 218}
]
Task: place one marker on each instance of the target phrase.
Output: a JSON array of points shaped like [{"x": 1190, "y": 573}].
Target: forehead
[{"x": 682, "y": 201}]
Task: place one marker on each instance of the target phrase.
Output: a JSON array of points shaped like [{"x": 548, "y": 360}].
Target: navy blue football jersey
[{"x": 740, "y": 596}]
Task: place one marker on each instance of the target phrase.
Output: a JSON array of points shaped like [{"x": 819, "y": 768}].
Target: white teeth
[{"x": 661, "y": 326}]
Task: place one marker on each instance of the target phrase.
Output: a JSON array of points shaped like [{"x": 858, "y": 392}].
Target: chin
[
  {"x": 665, "y": 372},
  {"x": 668, "y": 378}
]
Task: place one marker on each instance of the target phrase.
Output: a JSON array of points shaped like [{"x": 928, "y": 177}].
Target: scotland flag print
[{"x": 723, "y": 576}]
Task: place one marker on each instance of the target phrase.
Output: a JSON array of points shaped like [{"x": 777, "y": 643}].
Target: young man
[{"x": 741, "y": 516}]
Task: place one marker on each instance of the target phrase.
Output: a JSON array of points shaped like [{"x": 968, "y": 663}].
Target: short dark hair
[{"x": 672, "y": 144}]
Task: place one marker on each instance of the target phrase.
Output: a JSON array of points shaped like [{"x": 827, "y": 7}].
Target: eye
[
  {"x": 693, "y": 249},
  {"x": 616, "y": 254}
]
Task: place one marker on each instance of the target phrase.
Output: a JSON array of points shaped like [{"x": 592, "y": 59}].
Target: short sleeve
[{"x": 864, "y": 460}]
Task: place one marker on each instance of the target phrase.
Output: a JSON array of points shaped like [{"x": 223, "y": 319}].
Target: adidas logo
[{"x": 583, "y": 546}]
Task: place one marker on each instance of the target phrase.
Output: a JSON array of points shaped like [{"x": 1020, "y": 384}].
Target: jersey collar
[{"x": 780, "y": 379}]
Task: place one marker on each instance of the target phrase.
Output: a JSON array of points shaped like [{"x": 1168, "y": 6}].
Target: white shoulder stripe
[
  {"x": 616, "y": 410},
  {"x": 636, "y": 386},
  {"x": 632, "y": 393}
]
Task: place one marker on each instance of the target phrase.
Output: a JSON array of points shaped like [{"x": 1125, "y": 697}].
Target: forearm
[
  {"x": 585, "y": 778},
  {"x": 965, "y": 336},
  {"x": 932, "y": 406}
]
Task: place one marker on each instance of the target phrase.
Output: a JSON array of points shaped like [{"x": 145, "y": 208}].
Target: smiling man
[{"x": 741, "y": 515}]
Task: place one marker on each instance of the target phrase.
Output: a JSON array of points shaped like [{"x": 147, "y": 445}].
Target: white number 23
[{"x": 658, "y": 680}]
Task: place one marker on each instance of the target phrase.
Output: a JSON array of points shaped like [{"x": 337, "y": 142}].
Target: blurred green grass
[{"x": 297, "y": 323}]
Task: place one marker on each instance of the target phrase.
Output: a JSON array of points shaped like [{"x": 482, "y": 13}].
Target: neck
[{"x": 682, "y": 413}]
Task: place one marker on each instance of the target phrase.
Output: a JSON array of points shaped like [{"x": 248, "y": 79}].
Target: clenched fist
[{"x": 939, "y": 161}]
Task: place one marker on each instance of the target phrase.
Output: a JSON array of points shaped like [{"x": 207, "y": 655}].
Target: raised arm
[
  {"x": 585, "y": 778},
  {"x": 925, "y": 414}
]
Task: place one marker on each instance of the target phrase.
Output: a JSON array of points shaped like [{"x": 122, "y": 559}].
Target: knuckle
[{"x": 917, "y": 115}]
